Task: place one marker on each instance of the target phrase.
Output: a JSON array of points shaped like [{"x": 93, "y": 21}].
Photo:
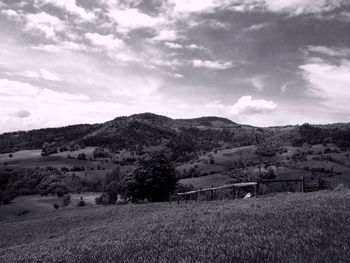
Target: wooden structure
[
  {"x": 235, "y": 193},
  {"x": 305, "y": 187}
]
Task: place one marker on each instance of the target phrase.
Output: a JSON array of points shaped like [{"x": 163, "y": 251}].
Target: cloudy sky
[{"x": 259, "y": 62}]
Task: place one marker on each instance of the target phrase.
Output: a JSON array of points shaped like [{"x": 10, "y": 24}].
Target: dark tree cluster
[
  {"x": 312, "y": 134},
  {"x": 35, "y": 139},
  {"x": 154, "y": 179},
  {"x": 15, "y": 182}
]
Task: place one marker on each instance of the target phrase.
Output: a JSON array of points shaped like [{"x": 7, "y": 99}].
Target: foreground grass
[{"x": 312, "y": 227}]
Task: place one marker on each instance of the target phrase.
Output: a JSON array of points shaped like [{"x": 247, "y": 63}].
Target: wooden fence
[
  {"x": 237, "y": 187},
  {"x": 195, "y": 194}
]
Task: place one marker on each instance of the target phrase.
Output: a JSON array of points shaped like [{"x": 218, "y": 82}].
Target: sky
[{"x": 257, "y": 62}]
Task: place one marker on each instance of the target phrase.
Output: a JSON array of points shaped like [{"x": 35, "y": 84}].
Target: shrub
[
  {"x": 56, "y": 206},
  {"x": 102, "y": 199},
  {"x": 66, "y": 199},
  {"x": 181, "y": 188},
  {"x": 22, "y": 212},
  {"x": 10, "y": 155},
  {"x": 77, "y": 168},
  {"x": 82, "y": 156},
  {"x": 64, "y": 169},
  {"x": 6, "y": 199},
  {"x": 211, "y": 160},
  {"x": 81, "y": 202},
  {"x": 59, "y": 193}
]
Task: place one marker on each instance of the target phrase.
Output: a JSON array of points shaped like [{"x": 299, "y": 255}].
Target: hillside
[
  {"x": 311, "y": 227},
  {"x": 34, "y": 139},
  {"x": 205, "y": 151}
]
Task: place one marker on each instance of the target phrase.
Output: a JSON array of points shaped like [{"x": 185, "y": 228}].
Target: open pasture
[{"x": 311, "y": 227}]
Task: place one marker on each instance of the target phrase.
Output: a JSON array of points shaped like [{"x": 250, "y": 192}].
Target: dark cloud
[{"x": 22, "y": 114}]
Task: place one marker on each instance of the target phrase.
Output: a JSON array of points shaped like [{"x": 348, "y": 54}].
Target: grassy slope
[
  {"x": 312, "y": 227},
  {"x": 206, "y": 181}
]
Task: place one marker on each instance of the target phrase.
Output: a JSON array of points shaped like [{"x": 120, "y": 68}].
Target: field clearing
[
  {"x": 310, "y": 227},
  {"x": 37, "y": 204}
]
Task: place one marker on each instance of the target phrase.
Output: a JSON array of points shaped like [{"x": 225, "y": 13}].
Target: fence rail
[
  {"x": 305, "y": 187},
  {"x": 235, "y": 193}
]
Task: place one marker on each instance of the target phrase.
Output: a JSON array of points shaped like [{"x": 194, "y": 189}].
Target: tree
[
  {"x": 265, "y": 146},
  {"x": 66, "y": 200},
  {"x": 154, "y": 179},
  {"x": 114, "y": 184}
]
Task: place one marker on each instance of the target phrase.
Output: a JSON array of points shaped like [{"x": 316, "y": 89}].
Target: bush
[
  {"x": 102, "y": 199},
  {"x": 22, "y": 212},
  {"x": 77, "y": 168},
  {"x": 56, "y": 206},
  {"x": 6, "y": 199},
  {"x": 81, "y": 202},
  {"x": 82, "y": 156},
  {"x": 59, "y": 193},
  {"x": 66, "y": 200},
  {"x": 64, "y": 169}
]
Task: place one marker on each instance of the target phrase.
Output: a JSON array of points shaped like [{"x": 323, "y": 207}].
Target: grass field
[
  {"x": 206, "y": 181},
  {"x": 312, "y": 227}
]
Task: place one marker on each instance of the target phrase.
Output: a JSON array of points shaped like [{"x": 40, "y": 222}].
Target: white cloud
[
  {"x": 12, "y": 14},
  {"x": 256, "y": 27},
  {"x": 45, "y": 74},
  {"x": 330, "y": 51},
  {"x": 193, "y": 5},
  {"x": 258, "y": 82},
  {"x": 303, "y": 6},
  {"x": 174, "y": 75},
  {"x": 330, "y": 82},
  {"x": 173, "y": 45},
  {"x": 70, "y": 6},
  {"x": 110, "y": 42},
  {"x": 132, "y": 18},
  {"x": 42, "y": 74},
  {"x": 26, "y": 90},
  {"x": 16, "y": 88},
  {"x": 45, "y": 23},
  {"x": 194, "y": 46},
  {"x": 168, "y": 63},
  {"x": 166, "y": 35},
  {"x": 291, "y": 7},
  {"x": 248, "y": 106},
  {"x": 61, "y": 46},
  {"x": 197, "y": 63}
]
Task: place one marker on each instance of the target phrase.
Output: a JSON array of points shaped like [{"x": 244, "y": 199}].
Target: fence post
[
  {"x": 257, "y": 189},
  {"x": 319, "y": 182},
  {"x": 169, "y": 198},
  {"x": 178, "y": 199},
  {"x": 303, "y": 184}
]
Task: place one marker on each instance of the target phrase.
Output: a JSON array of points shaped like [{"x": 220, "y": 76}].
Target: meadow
[{"x": 302, "y": 227}]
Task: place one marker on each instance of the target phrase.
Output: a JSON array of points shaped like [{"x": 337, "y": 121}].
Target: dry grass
[{"x": 312, "y": 227}]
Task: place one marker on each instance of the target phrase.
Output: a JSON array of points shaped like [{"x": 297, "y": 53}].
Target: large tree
[{"x": 154, "y": 179}]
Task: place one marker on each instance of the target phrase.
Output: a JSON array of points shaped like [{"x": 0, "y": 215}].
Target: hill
[
  {"x": 137, "y": 133},
  {"x": 310, "y": 227}
]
